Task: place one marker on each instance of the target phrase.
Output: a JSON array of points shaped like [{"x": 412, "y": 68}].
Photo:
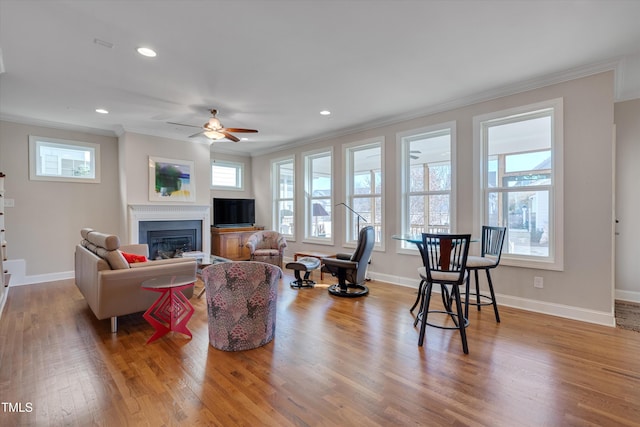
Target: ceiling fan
[{"x": 214, "y": 130}]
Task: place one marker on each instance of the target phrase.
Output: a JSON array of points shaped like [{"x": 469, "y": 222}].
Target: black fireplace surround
[{"x": 168, "y": 239}]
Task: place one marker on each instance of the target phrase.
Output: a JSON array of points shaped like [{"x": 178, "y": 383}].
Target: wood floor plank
[{"x": 334, "y": 362}]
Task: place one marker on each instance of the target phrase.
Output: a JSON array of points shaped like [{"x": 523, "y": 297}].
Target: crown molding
[
  {"x": 56, "y": 125},
  {"x": 622, "y": 66},
  {"x": 488, "y": 95}
]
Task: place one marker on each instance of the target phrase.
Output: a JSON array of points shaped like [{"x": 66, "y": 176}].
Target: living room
[
  {"x": 124, "y": 183},
  {"x": 44, "y": 225}
]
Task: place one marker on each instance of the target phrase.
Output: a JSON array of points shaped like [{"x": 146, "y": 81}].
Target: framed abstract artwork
[{"x": 171, "y": 180}]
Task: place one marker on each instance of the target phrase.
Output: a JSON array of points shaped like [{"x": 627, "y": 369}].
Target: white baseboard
[
  {"x": 42, "y": 278},
  {"x": 552, "y": 309},
  {"x": 559, "y": 310},
  {"x": 18, "y": 267},
  {"x": 631, "y": 296}
]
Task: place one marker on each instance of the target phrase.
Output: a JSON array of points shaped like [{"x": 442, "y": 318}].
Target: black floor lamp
[
  {"x": 358, "y": 218},
  {"x": 355, "y": 213}
]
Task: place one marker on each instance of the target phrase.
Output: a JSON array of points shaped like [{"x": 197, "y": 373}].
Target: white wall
[
  {"x": 247, "y": 192},
  {"x": 135, "y": 150},
  {"x": 627, "y": 118},
  {"x": 44, "y": 226},
  {"x": 584, "y": 289}
]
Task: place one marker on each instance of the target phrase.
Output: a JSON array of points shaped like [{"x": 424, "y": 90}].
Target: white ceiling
[{"x": 273, "y": 65}]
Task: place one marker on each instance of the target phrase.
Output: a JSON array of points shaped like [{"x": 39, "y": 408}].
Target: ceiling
[{"x": 274, "y": 65}]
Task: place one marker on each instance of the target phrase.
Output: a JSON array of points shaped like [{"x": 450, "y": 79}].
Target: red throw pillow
[{"x": 133, "y": 258}]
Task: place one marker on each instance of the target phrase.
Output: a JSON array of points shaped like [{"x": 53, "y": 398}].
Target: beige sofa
[{"x": 111, "y": 285}]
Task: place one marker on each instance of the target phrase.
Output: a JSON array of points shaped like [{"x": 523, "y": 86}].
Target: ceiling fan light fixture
[
  {"x": 213, "y": 124},
  {"x": 212, "y": 134}
]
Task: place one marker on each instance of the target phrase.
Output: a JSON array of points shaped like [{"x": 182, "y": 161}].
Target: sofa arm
[
  {"x": 148, "y": 270},
  {"x": 252, "y": 242},
  {"x": 119, "y": 291},
  {"x": 157, "y": 262}
]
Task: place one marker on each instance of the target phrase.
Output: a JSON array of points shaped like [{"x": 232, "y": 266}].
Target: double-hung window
[
  {"x": 53, "y": 159},
  {"x": 364, "y": 193},
  {"x": 427, "y": 183},
  {"x": 283, "y": 173},
  {"x": 519, "y": 155},
  {"x": 318, "y": 174}
]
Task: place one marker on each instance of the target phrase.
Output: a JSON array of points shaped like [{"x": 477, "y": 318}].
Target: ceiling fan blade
[
  {"x": 196, "y": 134},
  {"x": 240, "y": 130},
  {"x": 228, "y": 135},
  {"x": 182, "y": 124}
]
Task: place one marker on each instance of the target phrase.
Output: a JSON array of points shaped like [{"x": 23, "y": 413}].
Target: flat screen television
[{"x": 233, "y": 212}]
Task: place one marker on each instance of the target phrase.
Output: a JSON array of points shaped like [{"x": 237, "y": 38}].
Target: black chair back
[
  {"x": 492, "y": 241},
  {"x": 445, "y": 256},
  {"x": 362, "y": 254}
]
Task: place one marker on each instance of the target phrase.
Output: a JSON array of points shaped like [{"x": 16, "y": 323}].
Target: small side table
[
  {"x": 172, "y": 310},
  {"x": 314, "y": 254}
]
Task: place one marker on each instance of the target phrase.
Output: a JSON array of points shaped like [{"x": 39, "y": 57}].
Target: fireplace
[
  {"x": 168, "y": 239},
  {"x": 172, "y": 227}
]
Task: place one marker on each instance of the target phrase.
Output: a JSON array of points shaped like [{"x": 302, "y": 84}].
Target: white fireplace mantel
[{"x": 139, "y": 213}]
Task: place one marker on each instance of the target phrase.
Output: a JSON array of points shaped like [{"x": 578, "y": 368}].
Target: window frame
[
  {"x": 308, "y": 157},
  {"x": 349, "y": 180},
  {"x": 277, "y": 197},
  {"x": 555, "y": 260},
  {"x": 239, "y": 168},
  {"x": 403, "y": 144},
  {"x": 37, "y": 142}
]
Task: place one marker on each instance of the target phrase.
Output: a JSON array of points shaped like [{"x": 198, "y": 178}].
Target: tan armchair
[
  {"x": 111, "y": 285},
  {"x": 267, "y": 246}
]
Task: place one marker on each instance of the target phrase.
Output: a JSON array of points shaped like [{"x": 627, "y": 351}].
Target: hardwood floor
[{"x": 333, "y": 362}]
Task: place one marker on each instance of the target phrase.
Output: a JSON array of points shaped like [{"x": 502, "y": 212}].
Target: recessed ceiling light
[
  {"x": 325, "y": 112},
  {"x": 102, "y": 111},
  {"x": 244, "y": 139},
  {"x": 145, "y": 51}
]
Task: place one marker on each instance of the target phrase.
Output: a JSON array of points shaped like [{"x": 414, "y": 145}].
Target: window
[
  {"x": 520, "y": 161},
  {"x": 427, "y": 180},
  {"x": 61, "y": 160},
  {"x": 283, "y": 173},
  {"x": 227, "y": 175},
  {"x": 364, "y": 181},
  {"x": 318, "y": 174}
]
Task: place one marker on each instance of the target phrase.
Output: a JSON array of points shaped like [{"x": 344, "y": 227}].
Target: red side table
[{"x": 172, "y": 310}]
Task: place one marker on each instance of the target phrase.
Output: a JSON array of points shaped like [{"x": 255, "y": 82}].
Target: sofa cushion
[
  {"x": 85, "y": 232},
  {"x": 266, "y": 252},
  {"x": 110, "y": 242},
  {"x": 90, "y": 246},
  {"x": 133, "y": 258},
  {"x": 105, "y": 246},
  {"x": 114, "y": 258}
]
